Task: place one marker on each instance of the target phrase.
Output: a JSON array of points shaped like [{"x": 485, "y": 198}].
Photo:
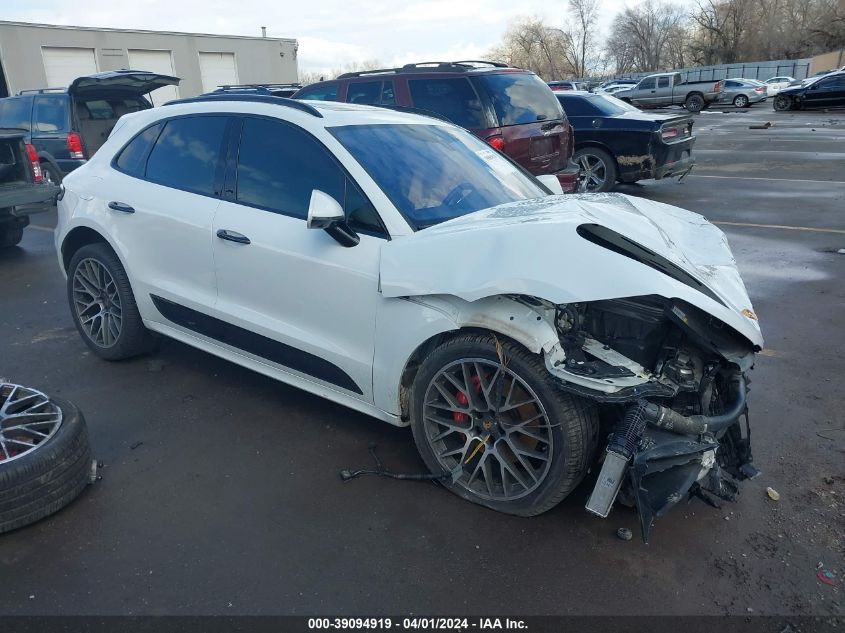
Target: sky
[{"x": 331, "y": 33}]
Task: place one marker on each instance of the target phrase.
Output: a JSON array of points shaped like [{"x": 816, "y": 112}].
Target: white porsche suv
[{"x": 398, "y": 265}]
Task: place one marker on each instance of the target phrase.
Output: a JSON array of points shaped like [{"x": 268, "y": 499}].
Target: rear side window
[
  {"x": 326, "y": 92},
  {"x": 187, "y": 152},
  {"x": 50, "y": 113},
  {"x": 455, "y": 99},
  {"x": 133, "y": 158},
  {"x": 579, "y": 106},
  {"x": 371, "y": 93},
  {"x": 280, "y": 165},
  {"x": 663, "y": 82},
  {"x": 520, "y": 98},
  {"x": 16, "y": 112}
]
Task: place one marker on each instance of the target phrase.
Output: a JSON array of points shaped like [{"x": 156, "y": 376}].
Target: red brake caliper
[{"x": 460, "y": 396}]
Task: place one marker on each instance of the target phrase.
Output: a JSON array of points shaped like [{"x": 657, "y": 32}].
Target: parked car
[
  {"x": 665, "y": 89},
  {"x": 612, "y": 89},
  {"x": 510, "y": 108},
  {"x": 68, "y": 125},
  {"x": 22, "y": 190},
  {"x": 564, "y": 85},
  {"x": 776, "y": 84},
  {"x": 825, "y": 91},
  {"x": 742, "y": 93},
  {"x": 616, "y": 84},
  {"x": 615, "y": 141},
  {"x": 396, "y": 264}
]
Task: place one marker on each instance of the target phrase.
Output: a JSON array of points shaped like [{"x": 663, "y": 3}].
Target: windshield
[
  {"x": 435, "y": 173},
  {"x": 520, "y": 98}
]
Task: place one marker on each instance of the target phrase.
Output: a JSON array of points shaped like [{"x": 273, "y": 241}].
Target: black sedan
[
  {"x": 615, "y": 141},
  {"x": 826, "y": 91}
]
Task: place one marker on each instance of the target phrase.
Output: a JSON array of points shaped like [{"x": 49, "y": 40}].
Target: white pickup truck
[{"x": 665, "y": 89}]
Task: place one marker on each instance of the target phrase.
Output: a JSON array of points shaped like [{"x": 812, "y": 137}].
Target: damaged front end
[{"x": 672, "y": 383}]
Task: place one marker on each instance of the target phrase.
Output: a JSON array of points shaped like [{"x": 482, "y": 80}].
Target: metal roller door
[
  {"x": 158, "y": 62},
  {"x": 217, "y": 69},
  {"x": 64, "y": 64}
]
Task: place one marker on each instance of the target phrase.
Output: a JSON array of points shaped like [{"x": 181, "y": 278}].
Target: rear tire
[
  {"x": 597, "y": 170},
  {"x": 10, "y": 236},
  {"x": 50, "y": 174},
  {"x": 47, "y": 478},
  {"x": 782, "y": 103},
  {"x": 694, "y": 103},
  {"x": 559, "y": 445},
  {"x": 741, "y": 101},
  {"x": 110, "y": 325}
]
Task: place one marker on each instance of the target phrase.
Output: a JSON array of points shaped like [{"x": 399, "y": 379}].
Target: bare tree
[
  {"x": 530, "y": 44},
  {"x": 579, "y": 39},
  {"x": 641, "y": 36}
]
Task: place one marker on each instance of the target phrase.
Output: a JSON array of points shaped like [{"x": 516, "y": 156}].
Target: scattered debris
[
  {"x": 774, "y": 495},
  {"x": 625, "y": 534},
  {"x": 819, "y": 565},
  {"x": 841, "y": 251},
  {"x": 764, "y": 126},
  {"x": 135, "y": 445},
  {"x": 826, "y": 576}
]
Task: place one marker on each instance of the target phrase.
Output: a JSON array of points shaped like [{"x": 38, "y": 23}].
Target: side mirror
[
  {"x": 324, "y": 212},
  {"x": 551, "y": 182}
]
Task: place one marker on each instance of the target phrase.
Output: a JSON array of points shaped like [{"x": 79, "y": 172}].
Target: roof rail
[
  {"x": 241, "y": 86},
  {"x": 428, "y": 67},
  {"x": 40, "y": 91},
  {"x": 254, "y": 97}
]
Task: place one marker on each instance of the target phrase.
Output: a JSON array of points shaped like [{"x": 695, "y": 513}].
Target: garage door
[
  {"x": 158, "y": 62},
  {"x": 217, "y": 69},
  {"x": 64, "y": 64}
]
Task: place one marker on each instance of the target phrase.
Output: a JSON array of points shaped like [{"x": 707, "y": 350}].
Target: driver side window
[{"x": 279, "y": 165}]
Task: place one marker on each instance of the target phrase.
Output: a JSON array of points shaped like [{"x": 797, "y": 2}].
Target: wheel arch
[
  {"x": 80, "y": 236},
  {"x": 498, "y": 315},
  {"x": 598, "y": 145}
]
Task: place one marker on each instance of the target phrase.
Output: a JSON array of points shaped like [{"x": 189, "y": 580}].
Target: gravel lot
[{"x": 220, "y": 490}]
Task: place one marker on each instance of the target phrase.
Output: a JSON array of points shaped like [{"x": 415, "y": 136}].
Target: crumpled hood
[{"x": 533, "y": 247}]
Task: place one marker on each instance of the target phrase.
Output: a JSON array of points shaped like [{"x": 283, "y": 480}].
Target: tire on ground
[
  {"x": 611, "y": 171},
  {"x": 694, "y": 103},
  {"x": 574, "y": 421},
  {"x": 782, "y": 103},
  {"x": 47, "y": 478},
  {"x": 10, "y": 236},
  {"x": 134, "y": 339}
]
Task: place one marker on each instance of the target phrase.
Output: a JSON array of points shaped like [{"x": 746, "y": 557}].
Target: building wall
[
  {"x": 258, "y": 60},
  {"x": 828, "y": 61}
]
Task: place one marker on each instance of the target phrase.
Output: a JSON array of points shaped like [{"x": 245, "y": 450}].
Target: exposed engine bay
[{"x": 671, "y": 383}]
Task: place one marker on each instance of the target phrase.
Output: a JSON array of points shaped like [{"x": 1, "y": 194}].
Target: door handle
[
  {"x": 232, "y": 236},
  {"x": 119, "y": 206}
]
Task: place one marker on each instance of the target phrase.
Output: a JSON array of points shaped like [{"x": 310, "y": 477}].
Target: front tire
[
  {"x": 782, "y": 103},
  {"x": 103, "y": 306},
  {"x": 519, "y": 444},
  {"x": 597, "y": 171}
]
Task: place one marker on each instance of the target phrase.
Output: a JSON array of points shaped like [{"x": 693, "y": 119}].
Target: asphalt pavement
[{"x": 220, "y": 491}]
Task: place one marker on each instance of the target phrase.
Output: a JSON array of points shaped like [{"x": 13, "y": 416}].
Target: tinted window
[
  {"x": 132, "y": 159},
  {"x": 453, "y": 98},
  {"x": 361, "y": 215},
  {"x": 368, "y": 92},
  {"x": 520, "y": 98},
  {"x": 646, "y": 84},
  {"x": 732, "y": 84},
  {"x": 99, "y": 109},
  {"x": 50, "y": 114},
  {"x": 319, "y": 92},
  {"x": 663, "y": 82},
  {"x": 280, "y": 165},
  {"x": 187, "y": 152},
  {"x": 15, "y": 112},
  {"x": 434, "y": 173},
  {"x": 387, "y": 93},
  {"x": 578, "y": 106}
]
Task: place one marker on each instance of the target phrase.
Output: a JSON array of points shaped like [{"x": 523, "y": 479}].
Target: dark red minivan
[{"x": 510, "y": 108}]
